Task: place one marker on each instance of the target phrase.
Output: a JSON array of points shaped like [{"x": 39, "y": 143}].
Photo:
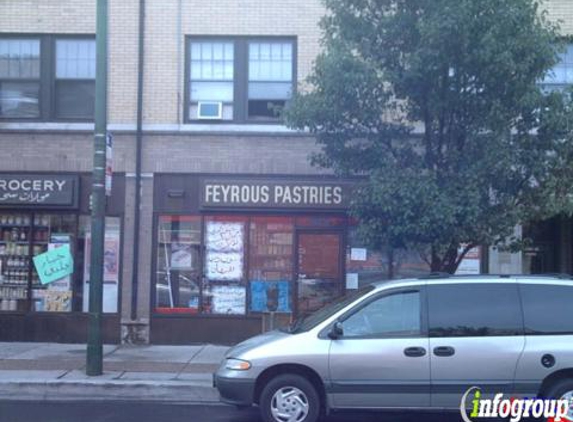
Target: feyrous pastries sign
[{"x": 275, "y": 194}]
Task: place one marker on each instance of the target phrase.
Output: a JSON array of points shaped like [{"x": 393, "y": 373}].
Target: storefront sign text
[
  {"x": 38, "y": 189},
  {"x": 327, "y": 195}
]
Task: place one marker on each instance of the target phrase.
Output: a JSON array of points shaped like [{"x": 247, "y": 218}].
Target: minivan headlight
[{"x": 238, "y": 364}]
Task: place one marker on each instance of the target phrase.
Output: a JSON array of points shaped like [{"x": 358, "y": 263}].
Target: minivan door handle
[
  {"x": 415, "y": 352},
  {"x": 444, "y": 351}
]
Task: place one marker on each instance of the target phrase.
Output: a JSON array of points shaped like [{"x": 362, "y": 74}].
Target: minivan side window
[
  {"x": 395, "y": 315},
  {"x": 474, "y": 310},
  {"x": 546, "y": 309}
]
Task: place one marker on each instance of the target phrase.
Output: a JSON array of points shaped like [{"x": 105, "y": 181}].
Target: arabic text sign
[
  {"x": 18, "y": 189},
  {"x": 54, "y": 264}
]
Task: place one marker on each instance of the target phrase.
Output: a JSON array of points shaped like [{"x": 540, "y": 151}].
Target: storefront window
[
  {"x": 224, "y": 289},
  {"x": 178, "y": 264},
  {"x": 111, "y": 263},
  {"x": 27, "y": 235},
  {"x": 15, "y": 261},
  {"x": 365, "y": 265},
  {"x": 239, "y": 264},
  {"x": 23, "y": 236},
  {"x": 52, "y": 231},
  {"x": 271, "y": 263}
]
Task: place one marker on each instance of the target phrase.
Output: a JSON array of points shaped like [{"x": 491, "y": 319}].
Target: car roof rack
[
  {"x": 561, "y": 276},
  {"x": 436, "y": 275}
]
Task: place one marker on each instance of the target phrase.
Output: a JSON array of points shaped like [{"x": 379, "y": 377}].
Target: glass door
[{"x": 319, "y": 279}]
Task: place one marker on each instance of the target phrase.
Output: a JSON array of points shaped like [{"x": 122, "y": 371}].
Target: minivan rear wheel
[
  {"x": 563, "y": 390},
  {"x": 289, "y": 398}
]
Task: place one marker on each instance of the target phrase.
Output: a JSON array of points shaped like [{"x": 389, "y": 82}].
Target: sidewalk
[{"x": 50, "y": 371}]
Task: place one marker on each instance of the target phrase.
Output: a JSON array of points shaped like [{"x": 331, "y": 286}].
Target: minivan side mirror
[{"x": 336, "y": 331}]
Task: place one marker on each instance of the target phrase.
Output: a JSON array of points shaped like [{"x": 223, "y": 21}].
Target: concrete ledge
[{"x": 197, "y": 391}]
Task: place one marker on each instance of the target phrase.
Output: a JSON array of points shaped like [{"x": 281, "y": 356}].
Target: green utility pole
[{"x": 94, "y": 359}]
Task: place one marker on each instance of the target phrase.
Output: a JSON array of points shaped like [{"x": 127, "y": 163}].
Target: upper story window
[
  {"x": 19, "y": 78},
  {"x": 47, "y": 78},
  {"x": 270, "y": 78},
  {"x": 561, "y": 75},
  {"x": 75, "y": 79},
  {"x": 212, "y": 69},
  {"x": 238, "y": 79}
]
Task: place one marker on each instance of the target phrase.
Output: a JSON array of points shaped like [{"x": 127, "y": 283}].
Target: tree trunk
[
  {"x": 390, "y": 256},
  {"x": 448, "y": 263}
]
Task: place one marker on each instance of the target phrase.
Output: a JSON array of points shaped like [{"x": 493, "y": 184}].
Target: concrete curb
[{"x": 62, "y": 390}]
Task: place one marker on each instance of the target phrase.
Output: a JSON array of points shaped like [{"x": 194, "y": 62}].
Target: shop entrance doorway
[{"x": 319, "y": 269}]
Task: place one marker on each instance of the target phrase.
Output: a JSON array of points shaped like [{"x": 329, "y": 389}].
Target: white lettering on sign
[
  {"x": 244, "y": 194},
  {"x": 32, "y": 185}
]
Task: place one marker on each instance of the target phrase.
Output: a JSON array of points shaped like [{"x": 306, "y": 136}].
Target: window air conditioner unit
[{"x": 210, "y": 110}]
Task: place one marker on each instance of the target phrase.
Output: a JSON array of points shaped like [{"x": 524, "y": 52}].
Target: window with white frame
[
  {"x": 212, "y": 68},
  {"x": 47, "y": 77},
  {"x": 245, "y": 79},
  {"x": 561, "y": 75},
  {"x": 270, "y": 78}
]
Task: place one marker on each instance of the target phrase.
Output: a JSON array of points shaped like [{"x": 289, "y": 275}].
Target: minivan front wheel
[
  {"x": 563, "y": 390},
  {"x": 289, "y": 398}
]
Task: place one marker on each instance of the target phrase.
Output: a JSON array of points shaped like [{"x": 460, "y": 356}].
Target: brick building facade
[{"x": 180, "y": 155}]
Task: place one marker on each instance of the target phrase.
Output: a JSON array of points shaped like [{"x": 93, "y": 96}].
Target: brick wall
[
  {"x": 170, "y": 21},
  {"x": 228, "y": 154},
  {"x": 60, "y": 152},
  {"x": 167, "y": 23},
  {"x": 562, "y": 12},
  {"x": 78, "y": 17}
]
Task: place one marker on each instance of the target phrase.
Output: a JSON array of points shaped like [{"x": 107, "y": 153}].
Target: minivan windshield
[{"x": 312, "y": 320}]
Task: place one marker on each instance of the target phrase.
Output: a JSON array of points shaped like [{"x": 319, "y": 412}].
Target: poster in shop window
[
  {"x": 229, "y": 300},
  {"x": 181, "y": 256},
  {"x": 471, "y": 263},
  {"x": 224, "y": 257},
  {"x": 58, "y": 241},
  {"x": 110, "y": 272},
  {"x": 265, "y": 292}
]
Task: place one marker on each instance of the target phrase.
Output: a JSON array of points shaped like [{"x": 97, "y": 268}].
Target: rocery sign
[
  {"x": 39, "y": 189},
  {"x": 225, "y": 193}
]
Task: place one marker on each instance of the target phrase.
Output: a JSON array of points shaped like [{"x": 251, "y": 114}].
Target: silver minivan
[{"x": 411, "y": 344}]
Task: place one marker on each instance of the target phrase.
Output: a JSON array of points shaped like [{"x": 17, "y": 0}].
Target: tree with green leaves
[{"x": 438, "y": 106}]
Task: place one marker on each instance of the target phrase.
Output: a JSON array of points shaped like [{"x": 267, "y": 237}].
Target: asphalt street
[{"x": 108, "y": 411}]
